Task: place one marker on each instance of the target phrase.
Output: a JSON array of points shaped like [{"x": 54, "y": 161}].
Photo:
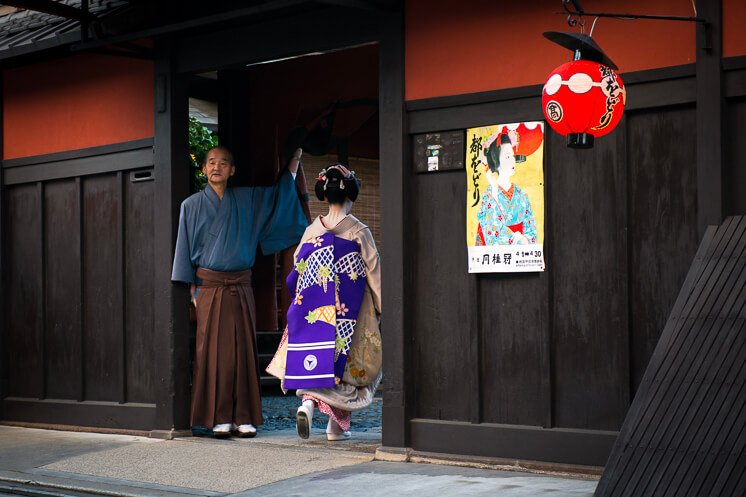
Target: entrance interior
[{"x": 325, "y": 102}]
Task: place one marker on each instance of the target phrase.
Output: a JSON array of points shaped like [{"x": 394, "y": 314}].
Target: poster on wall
[{"x": 505, "y": 198}]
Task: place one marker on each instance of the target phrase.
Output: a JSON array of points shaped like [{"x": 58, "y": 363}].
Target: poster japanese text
[{"x": 505, "y": 198}]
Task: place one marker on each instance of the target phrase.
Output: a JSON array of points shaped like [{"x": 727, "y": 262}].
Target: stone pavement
[
  {"x": 57, "y": 463},
  {"x": 279, "y": 414}
]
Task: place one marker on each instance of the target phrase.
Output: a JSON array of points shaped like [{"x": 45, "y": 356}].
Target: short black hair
[
  {"x": 492, "y": 152},
  {"x": 332, "y": 186}
]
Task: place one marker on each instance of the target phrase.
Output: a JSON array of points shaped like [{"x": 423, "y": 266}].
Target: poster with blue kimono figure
[{"x": 505, "y": 198}]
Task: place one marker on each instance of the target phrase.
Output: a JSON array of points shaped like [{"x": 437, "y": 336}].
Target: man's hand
[
  {"x": 295, "y": 160},
  {"x": 192, "y": 290}
]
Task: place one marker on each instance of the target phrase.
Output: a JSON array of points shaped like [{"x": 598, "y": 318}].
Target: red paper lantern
[{"x": 583, "y": 100}]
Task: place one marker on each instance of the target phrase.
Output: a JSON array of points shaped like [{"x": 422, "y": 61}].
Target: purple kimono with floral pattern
[{"x": 327, "y": 287}]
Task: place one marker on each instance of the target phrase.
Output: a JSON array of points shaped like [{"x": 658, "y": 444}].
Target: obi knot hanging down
[{"x": 327, "y": 287}]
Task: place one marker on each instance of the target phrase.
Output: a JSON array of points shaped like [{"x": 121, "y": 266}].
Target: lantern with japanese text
[{"x": 583, "y": 99}]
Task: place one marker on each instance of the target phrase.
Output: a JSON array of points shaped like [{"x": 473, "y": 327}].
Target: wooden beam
[
  {"x": 395, "y": 195},
  {"x": 58, "y": 9},
  {"x": 3, "y": 279},
  {"x": 193, "y": 24},
  {"x": 359, "y": 4},
  {"x": 322, "y": 30},
  {"x": 172, "y": 173},
  {"x": 710, "y": 116},
  {"x": 526, "y": 443}
]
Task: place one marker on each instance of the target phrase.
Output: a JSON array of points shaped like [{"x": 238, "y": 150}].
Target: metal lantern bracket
[{"x": 575, "y": 11}]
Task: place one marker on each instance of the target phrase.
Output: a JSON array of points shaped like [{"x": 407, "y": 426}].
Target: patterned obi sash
[{"x": 327, "y": 287}]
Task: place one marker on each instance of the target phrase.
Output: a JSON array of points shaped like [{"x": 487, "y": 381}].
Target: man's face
[{"x": 218, "y": 167}]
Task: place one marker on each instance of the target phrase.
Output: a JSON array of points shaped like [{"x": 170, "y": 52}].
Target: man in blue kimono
[{"x": 220, "y": 229}]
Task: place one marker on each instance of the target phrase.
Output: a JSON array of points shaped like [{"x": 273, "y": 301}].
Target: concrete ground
[{"x": 275, "y": 463}]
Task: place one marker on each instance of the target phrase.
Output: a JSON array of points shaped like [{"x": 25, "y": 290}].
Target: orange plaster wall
[
  {"x": 480, "y": 45},
  {"x": 734, "y": 35},
  {"x": 76, "y": 102}
]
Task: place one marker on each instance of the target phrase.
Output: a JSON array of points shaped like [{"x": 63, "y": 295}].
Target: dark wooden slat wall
[
  {"x": 80, "y": 265},
  {"x": 444, "y": 311},
  {"x": 589, "y": 335},
  {"x": 64, "y": 368},
  {"x": 658, "y": 433},
  {"x": 735, "y": 163},
  {"x": 514, "y": 350},
  {"x": 139, "y": 292},
  {"x": 567, "y": 349},
  {"x": 104, "y": 336},
  {"x": 663, "y": 235},
  {"x": 685, "y": 433},
  {"x": 25, "y": 373}
]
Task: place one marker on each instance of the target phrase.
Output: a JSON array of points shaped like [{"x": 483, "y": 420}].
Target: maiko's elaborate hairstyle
[
  {"x": 336, "y": 183},
  {"x": 492, "y": 151}
]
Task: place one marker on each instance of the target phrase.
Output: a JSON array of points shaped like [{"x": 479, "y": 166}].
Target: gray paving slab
[
  {"x": 274, "y": 463},
  {"x": 22, "y": 448},
  {"x": 219, "y": 467},
  {"x": 385, "y": 479}
]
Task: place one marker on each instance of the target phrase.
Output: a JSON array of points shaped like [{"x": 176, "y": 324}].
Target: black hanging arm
[{"x": 578, "y": 11}]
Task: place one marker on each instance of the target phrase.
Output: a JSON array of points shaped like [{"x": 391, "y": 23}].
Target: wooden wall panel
[
  {"x": 515, "y": 376},
  {"x": 735, "y": 158},
  {"x": 103, "y": 322},
  {"x": 663, "y": 217},
  {"x": 64, "y": 354},
  {"x": 139, "y": 256},
  {"x": 24, "y": 292},
  {"x": 588, "y": 260},
  {"x": 445, "y": 311}
]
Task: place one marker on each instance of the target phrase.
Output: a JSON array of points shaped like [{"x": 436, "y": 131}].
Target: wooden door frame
[
  {"x": 3, "y": 252},
  {"x": 320, "y": 31}
]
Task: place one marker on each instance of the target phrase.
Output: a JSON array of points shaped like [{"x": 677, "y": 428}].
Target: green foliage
[{"x": 201, "y": 140}]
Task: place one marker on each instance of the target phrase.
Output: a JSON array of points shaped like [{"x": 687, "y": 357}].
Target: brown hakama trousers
[{"x": 225, "y": 387}]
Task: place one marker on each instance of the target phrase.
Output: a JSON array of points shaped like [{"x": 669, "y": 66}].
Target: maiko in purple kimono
[{"x": 327, "y": 285}]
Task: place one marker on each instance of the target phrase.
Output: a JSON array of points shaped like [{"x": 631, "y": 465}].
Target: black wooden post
[
  {"x": 395, "y": 276},
  {"x": 172, "y": 173},
  {"x": 3, "y": 287},
  {"x": 710, "y": 116}
]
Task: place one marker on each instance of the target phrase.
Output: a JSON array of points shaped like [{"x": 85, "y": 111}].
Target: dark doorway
[{"x": 325, "y": 102}]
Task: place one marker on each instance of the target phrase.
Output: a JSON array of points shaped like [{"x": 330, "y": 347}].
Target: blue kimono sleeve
[
  {"x": 183, "y": 270},
  {"x": 286, "y": 222},
  {"x": 530, "y": 225}
]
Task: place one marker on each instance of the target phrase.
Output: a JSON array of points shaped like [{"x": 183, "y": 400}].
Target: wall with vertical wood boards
[
  {"x": 76, "y": 102},
  {"x": 544, "y": 366},
  {"x": 79, "y": 281},
  {"x": 564, "y": 349}
]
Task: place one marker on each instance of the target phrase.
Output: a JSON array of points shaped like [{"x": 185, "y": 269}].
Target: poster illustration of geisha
[{"x": 505, "y": 198}]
